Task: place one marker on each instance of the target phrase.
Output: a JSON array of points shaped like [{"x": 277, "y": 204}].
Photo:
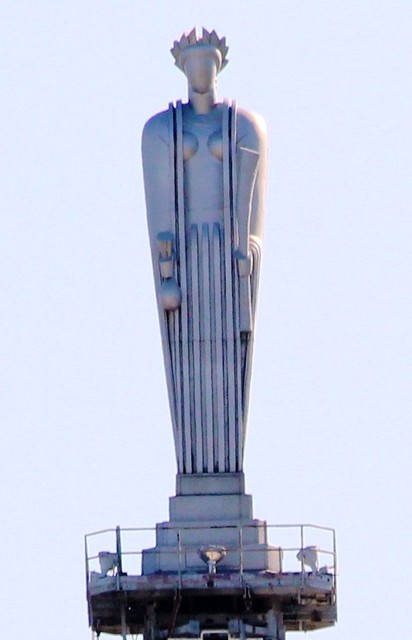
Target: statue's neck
[{"x": 202, "y": 103}]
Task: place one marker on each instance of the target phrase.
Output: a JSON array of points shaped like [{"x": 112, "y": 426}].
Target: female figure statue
[{"x": 204, "y": 171}]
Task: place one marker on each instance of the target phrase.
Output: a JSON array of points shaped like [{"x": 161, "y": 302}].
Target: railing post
[
  {"x": 179, "y": 557},
  {"x": 119, "y": 556},
  {"x": 119, "y": 549},
  {"x": 334, "y": 563},
  {"x": 281, "y": 560},
  {"x": 241, "y": 549},
  {"x": 86, "y": 555},
  {"x": 302, "y": 567},
  {"x": 119, "y": 573}
]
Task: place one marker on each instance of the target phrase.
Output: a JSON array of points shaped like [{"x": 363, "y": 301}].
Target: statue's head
[{"x": 200, "y": 58}]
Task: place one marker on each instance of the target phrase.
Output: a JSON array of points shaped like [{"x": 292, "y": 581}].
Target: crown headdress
[{"x": 191, "y": 39}]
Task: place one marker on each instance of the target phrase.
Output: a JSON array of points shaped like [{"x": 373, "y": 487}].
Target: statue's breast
[
  {"x": 190, "y": 145},
  {"x": 213, "y": 143}
]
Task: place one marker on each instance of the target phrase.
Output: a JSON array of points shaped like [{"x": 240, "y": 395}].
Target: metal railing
[{"x": 127, "y": 546}]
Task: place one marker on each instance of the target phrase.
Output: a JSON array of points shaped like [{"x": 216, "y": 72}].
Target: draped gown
[{"x": 204, "y": 182}]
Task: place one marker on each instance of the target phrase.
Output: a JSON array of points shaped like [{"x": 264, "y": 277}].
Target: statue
[
  {"x": 212, "y": 572},
  {"x": 205, "y": 175}
]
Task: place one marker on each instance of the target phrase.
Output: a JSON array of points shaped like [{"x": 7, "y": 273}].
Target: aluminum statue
[{"x": 205, "y": 173}]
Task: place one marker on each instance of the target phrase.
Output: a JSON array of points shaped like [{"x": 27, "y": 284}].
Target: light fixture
[
  {"x": 212, "y": 555},
  {"x": 309, "y": 556},
  {"x": 108, "y": 562}
]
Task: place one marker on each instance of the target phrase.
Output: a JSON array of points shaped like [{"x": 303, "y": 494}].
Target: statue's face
[{"x": 200, "y": 68}]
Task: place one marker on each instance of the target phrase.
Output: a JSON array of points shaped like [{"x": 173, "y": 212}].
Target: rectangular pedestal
[{"x": 211, "y": 509}]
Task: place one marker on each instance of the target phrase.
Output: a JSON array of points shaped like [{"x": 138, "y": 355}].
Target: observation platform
[{"x": 218, "y": 600}]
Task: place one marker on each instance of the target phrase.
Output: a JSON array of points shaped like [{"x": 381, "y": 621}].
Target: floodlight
[
  {"x": 108, "y": 562},
  {"x": 212, "y": 555},
  {"x": 309, "y": 556}
]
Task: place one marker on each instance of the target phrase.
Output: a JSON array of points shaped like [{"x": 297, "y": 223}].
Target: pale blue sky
[{"x": 86, "y": 435}]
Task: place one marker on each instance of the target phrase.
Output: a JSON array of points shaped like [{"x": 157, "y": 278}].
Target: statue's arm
[
  {"x": 251, "y": 152},
  {"x": 157, "y": 174},
  {"x": 252, "y": 135}
]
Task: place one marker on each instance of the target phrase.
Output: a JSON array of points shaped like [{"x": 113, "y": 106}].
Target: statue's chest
[
  {"x": 202, "y": 143},
  {"x": 203, "y": 166}
]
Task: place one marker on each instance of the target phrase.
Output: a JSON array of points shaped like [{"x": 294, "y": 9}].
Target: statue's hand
[
  {"x": 244, "y": 268},
  {"x": 244, "y": 264},
  {"x": 170, "y": 295}
]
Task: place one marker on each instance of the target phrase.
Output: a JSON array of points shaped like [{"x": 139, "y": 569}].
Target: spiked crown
[{"x": 192, "y": 39}]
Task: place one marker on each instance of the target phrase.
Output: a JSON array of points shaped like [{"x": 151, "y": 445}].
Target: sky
[{"x": 85, "y": 427}]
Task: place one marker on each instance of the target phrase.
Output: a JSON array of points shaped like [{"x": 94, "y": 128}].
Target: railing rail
[{"x": 303, "y": 532}]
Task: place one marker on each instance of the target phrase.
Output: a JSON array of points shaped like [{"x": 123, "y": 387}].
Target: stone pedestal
[{"x": 210, "y": 509}]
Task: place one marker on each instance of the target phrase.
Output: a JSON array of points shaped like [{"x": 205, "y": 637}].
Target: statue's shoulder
[
  {"x": 157, "y": 127},
  {"x": 251, "y": 128}
]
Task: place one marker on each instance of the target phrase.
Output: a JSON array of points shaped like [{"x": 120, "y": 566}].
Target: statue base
[{"x": 211, "y": 509}]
